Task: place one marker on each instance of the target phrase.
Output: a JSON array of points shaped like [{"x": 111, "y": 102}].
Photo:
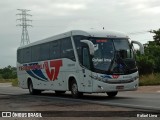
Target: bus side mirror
[
  {"x": 140, "y": 45},
  {"x": 90, "y": 45}
]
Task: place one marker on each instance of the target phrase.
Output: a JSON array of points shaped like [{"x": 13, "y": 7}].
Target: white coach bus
[{"x": 80, "y": 62}]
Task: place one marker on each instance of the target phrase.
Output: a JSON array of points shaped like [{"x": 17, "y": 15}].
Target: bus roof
[
  {"x": 92, "y": 33},
  {"x": 102, "y": 33}
]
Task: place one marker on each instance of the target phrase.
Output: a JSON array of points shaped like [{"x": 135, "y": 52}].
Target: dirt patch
[{"x": 149, "y": 89}]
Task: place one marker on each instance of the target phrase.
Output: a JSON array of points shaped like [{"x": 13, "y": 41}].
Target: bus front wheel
[
  {"x": 112, "y": 94},
  {"x": 32, "y": 91},
  {"x": 74, "y": 90}
]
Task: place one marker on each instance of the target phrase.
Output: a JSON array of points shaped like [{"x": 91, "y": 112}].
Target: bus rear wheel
[
  {"x": 33, "y": 91},
  {"x": 74, "y": 90},
  {"x": 112, "y": 94}
]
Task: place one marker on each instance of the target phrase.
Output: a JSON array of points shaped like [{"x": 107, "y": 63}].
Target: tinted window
[
  {"x": 19, "y": 56},
  {"x": 26, "y": 55},
  {"x": 122, "y": 45},
  {"x": 44, "y": 51},
  {"x": 54, "y": 50},
  {"x": 35, "y": 53},
  {"x": 86, "y": 61},
  {"x": 78, "y": 45},
  {"x": 67, "y": 49},
  {"x": 103, "y": 53}
]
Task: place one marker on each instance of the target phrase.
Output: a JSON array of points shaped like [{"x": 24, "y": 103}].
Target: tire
[
  {"x": 33, "y": 91},
  {"x": 112, "y": 94},
  {"x": 74, "y": 90}
]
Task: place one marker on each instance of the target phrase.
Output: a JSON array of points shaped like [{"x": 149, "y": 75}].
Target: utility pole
[{"x": 24, "y": 24}]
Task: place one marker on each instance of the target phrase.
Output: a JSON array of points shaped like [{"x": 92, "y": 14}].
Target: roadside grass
[
  {"x": 151, "y": 79},
  {"x": 15, "y": 82},
  {"x": 5, "y": 80}
]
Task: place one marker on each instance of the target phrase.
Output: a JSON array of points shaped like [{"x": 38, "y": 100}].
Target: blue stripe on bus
[
  {"x": 32, "y": 75},
  {"x": 106, "y": 76},
  {"x": 38, "y": 72}
]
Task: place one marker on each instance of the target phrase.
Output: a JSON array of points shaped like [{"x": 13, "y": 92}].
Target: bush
[
  {"x": 15, "y": 82},
  {"x": 8, "y": 72},
  {"x": 150, "y": 62},
  {"x": 145, "y": 65},
  {"x": 151, "y": 79}
]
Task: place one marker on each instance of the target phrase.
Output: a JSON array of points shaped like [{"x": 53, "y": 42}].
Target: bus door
[{"x": 86, "y": 70}]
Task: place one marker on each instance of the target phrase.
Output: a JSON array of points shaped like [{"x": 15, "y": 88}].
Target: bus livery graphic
[
  {"x": 55, "y": 67},
  {"x": 35, "y": 70}
]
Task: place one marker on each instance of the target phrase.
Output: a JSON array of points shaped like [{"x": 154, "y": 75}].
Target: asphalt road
[
  {"x": 14, "y": 98},
  {"x": 130, "y": 99}
]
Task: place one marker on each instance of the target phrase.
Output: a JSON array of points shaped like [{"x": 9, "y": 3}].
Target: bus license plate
[{"x": 119, "y": 87}]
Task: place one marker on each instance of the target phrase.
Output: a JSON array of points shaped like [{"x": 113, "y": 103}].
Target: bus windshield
[
  {"x": 104, "y": 53},
  {"x": 111, "y": 53}
]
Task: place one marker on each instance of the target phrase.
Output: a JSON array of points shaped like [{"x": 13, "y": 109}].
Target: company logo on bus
[
  {"x": 50, "y": 67},
  {"x": 101, "y": 41},
  {"x": 115, "y": 76}
]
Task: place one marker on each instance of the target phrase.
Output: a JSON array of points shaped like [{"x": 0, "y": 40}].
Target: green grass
[{"x": 151, "y": 79}]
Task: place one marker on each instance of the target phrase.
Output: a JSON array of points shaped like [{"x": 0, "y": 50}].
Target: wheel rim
[{"x": 74, "y": 88}]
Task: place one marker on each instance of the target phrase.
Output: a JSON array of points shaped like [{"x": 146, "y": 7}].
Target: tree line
[
  {"x": 8, "y": 72},
  {"x": 150, "y": 62}
]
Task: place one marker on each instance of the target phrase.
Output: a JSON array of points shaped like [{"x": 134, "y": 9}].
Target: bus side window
[
  {"x": 86, "y": 61},
  {"x": 67, "y": 49},
  {"x": 44, "y": 51},
  {"x": 35, "y": 53},
  {"x": 54, "y": 50},
  {"x": 19, "y": 56},
  {"x": 78, "y": 46},
  {"x": 26, "y": 55}
]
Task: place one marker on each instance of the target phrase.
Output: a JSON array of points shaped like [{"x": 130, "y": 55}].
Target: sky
[{"x": 51, "y": 17}]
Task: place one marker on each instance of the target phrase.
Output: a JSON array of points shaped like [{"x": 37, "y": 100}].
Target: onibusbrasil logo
[
  {"x": 21, "y": 114},
  {"x": 50, "y": 67}
]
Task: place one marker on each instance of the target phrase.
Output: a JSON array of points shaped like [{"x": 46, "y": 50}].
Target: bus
[{"x": 80, "y": 62}]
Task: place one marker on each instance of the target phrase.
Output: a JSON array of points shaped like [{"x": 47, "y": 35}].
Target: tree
[
  {"x": 8, "y": 72},
  {"x": 150, "y": 62},
  {"x": 146, "y": 63},
  {"x": 156, "y": 37}
]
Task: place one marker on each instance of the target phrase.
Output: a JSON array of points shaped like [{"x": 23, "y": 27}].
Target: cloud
[
  {"x": 142, "y": 7},
  {"x": 70, "y": 6},
  {"x": 51, "y": 17}
]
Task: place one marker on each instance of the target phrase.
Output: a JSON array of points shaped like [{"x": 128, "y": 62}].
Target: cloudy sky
[{"x": 50, "y": 17}]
